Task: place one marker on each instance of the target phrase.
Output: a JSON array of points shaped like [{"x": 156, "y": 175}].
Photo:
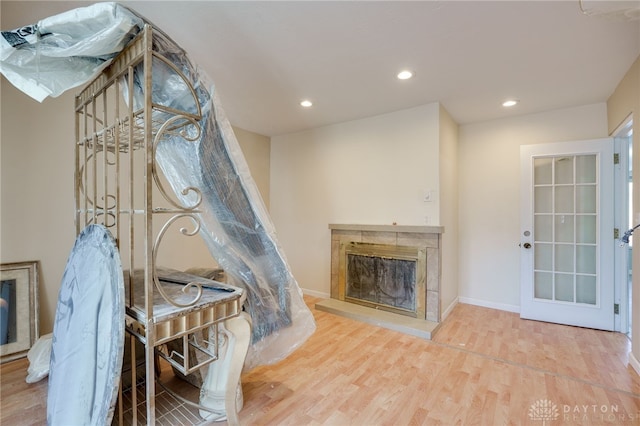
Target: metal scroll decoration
[
  {"x": 109, "y": 201},
  {"x": 156, "y": 245},
  {"x": 169, "y": 127}
]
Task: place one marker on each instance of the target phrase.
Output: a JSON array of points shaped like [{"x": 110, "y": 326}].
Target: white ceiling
[{"x": 266, "y": 56}]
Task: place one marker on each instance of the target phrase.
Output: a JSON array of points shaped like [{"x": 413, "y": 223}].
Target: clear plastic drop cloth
[
  {"x": 235, "y": 224},
  {"x": 65, "y": 50},
  {"x": 39, "y": 356}
]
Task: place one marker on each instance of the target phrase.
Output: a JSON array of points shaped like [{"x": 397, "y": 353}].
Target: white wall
[
  {"x": 373, "y": 170},
  {"x": 489, "y": 209},
  {"x": 369, "y": 171},
  {"x": 36, "y": 211},
  {"x": 448, "y": 210}
]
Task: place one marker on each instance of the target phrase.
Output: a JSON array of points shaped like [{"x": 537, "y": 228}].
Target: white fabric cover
[{"x": 88, "y": 334}]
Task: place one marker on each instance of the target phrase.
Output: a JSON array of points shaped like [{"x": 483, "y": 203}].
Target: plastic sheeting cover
[
  {"x": 235, "y": 224},
  {"x": 88, "y": 333},
  {"x": 65, "y": 50}
]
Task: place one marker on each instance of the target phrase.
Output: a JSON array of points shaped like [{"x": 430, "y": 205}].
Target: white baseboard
[
  {"x": 448, "y": 310},
  {"x": 635, "y": 364},
  {"x": 314, "y": 293},
  {"x": 492, "y": 305}
]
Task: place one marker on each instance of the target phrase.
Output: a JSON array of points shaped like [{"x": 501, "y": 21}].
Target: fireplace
[
  {"x": 383, "y": 276},
  {"x": 388, "y": 275}
]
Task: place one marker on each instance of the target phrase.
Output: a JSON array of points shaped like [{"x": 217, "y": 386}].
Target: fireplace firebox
[{"x": 383, "y": 276}]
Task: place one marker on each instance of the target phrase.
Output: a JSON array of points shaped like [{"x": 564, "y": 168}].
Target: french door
[{"x": 566, "y": 239}]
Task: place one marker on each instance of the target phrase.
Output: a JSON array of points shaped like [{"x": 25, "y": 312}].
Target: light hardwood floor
[{"x": 483, "y": 367}]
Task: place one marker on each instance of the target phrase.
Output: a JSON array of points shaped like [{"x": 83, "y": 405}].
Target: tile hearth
[{"x": 401, "y": 323}]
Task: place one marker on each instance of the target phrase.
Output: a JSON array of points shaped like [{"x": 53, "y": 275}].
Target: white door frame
[
  {"x": 622, "y": 264},
  {"x": 601, "y": 314}
]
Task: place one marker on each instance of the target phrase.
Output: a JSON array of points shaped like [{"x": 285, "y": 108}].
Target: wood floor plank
[{"x": 483, "y": 367}]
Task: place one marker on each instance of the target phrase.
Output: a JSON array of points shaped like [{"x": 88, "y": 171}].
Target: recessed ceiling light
[
  {"x": 510, "y": 103},
  {"x": 306, "y": 103},
  {"x": 405, "y": 75}
]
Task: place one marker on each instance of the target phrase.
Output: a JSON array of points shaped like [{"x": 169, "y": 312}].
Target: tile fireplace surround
[{"x": 423, "y": 237}]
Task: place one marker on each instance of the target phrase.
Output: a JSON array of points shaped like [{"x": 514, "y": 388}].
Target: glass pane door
[
  {"x": 565, "y": 228},
  {"x": 566, "y": 233}
]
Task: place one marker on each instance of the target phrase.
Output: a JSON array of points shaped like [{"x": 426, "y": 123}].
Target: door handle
[{"x": 526, "y": 245}]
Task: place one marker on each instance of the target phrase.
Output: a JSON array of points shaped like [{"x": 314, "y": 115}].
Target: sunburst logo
[{"x": 544, "y": 410}]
